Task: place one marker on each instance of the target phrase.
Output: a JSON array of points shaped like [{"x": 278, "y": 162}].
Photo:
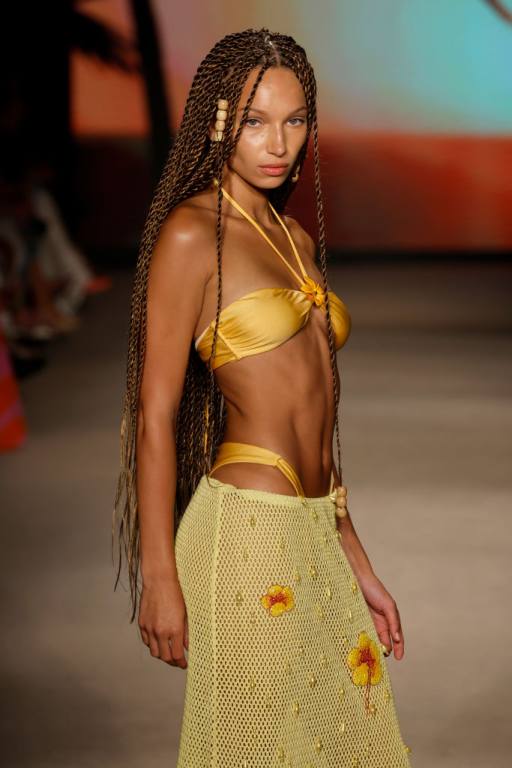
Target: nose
[{"x": 276, "y": 141}]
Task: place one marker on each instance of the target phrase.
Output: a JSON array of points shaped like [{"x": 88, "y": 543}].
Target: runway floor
[{"x": 426, "y": 438}]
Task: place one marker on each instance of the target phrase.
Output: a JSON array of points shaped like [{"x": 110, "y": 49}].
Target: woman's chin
[{"x": 270, "y": 182}]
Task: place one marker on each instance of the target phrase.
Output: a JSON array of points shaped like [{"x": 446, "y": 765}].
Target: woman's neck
[{"x": 252, "y": 200}]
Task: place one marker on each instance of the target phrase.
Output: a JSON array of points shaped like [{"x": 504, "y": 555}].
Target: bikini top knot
[{"x": 313, "y": 291}]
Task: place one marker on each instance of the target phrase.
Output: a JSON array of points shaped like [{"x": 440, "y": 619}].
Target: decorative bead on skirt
[{"x": 339, "y": 496}]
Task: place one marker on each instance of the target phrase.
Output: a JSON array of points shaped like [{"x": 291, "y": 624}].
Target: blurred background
[{"x": 415, "y": 116}]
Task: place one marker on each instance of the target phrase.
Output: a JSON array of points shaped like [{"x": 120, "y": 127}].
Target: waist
[
  {"x": 233, "y": 452},
  {"x": 294, "y": 424}
]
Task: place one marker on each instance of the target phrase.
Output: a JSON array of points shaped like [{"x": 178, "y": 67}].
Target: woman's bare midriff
[{"x": 282, "y": 400}]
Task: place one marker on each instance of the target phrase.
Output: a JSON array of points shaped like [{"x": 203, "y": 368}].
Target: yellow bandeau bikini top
[{"x": 267, "y": 317}]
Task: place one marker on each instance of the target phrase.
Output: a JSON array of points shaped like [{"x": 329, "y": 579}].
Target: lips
[{"x": 274, "y": 170}]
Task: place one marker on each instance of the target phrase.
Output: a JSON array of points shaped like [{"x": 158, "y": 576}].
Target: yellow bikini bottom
[{"x": 231, "y": 452}]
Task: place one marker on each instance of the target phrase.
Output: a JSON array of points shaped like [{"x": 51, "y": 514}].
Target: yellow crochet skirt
[{"x": 285, "y": 667}]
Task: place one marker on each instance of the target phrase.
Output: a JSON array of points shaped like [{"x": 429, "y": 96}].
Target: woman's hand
[
  {"x": 384, "y": 612},
  {"x": 163, "y": 621}
]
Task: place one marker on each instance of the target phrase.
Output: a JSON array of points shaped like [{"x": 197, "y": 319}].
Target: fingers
[
  {"x": 144, "y": 635},
  {"x": 164, "y": 647},
  {"x": 395, "y": 629},
  {"x": 385, "y": 639},
  {"x": 382, "y": 627},
  {"x": 165, "y": 644},
  {"x": 178, "y": 654},
  {"x": 153, "y": 645}
]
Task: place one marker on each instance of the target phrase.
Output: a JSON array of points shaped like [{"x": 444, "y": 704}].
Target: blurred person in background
[
  {"x": 42, "y": 266},
  {"x": 29, "y": 303},
  {"x": 44, "y": 277}
]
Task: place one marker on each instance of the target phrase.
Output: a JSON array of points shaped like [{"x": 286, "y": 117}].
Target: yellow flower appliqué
[
  {"x": 278, "y": 599},
  {"x": 364, "y": 661},
  {"x": 313, "y": 291}
]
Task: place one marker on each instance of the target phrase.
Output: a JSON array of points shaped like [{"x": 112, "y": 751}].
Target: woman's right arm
[{"x": 179, "y": 270}]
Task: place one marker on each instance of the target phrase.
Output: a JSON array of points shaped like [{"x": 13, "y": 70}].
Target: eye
[
  {"x": 300, "y": 119},
  {"x": 250, "y": 120}
]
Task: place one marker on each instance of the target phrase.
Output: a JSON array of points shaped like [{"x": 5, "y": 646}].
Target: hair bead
[{"x": 220, "y": 123}]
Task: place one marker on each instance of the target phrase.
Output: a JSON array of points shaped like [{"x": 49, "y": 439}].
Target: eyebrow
[{"x": 262, "y": 111}]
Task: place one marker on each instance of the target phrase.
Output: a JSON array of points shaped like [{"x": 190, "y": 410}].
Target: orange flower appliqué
[
  {"x": 364, "y": 661},
  {"x": 278, "y": 599}
]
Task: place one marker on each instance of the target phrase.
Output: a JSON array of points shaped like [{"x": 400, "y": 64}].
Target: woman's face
[{"x": 274, "y": 131}]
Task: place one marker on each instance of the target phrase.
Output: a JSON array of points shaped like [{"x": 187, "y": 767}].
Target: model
[{"x": 258, "y": 583}]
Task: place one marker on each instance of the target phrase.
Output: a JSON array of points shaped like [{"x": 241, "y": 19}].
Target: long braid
[
  {"x": 193, "y": 162},
  {"x": 323, "y": 266}
]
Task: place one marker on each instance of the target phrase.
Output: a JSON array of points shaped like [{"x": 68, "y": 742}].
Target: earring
[
  {"x": 220, "y": 121},
  {"x": 295, "y": 176}
]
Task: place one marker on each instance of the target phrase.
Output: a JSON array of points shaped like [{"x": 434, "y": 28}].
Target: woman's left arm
[{"x": 382, "y": 606}]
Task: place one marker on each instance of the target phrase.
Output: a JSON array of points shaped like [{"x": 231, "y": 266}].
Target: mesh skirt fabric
[{"x": 285, "y": 667}]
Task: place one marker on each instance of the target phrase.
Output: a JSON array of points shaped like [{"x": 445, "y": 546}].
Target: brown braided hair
[{"x": 193, "y": 161}]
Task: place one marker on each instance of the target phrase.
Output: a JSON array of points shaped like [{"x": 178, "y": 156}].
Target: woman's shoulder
[
  {"x": 191, "y": 217},
  {"x": 186, "y": 235},
  {"x": 192, "y": 220}
]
